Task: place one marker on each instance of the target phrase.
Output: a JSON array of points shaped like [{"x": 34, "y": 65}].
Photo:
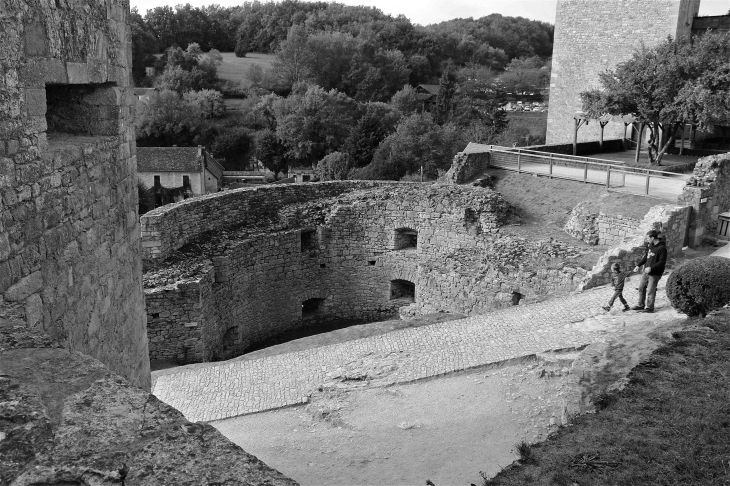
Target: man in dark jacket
[{"x": 654, "y": 261}]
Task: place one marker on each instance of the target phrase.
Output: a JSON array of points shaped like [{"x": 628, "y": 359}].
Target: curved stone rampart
[
  {"x": 169, "y": 227},
  {"x": 353, "y": 257}
]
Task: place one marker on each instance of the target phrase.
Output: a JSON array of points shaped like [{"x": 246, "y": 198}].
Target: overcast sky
[{"x": 433, "y": 11}]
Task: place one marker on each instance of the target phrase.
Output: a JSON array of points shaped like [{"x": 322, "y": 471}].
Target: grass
[
  {"x": 233, "y": 68},
  {"x": 669, "y": 426},
  {"x": 535, "y": 122}
]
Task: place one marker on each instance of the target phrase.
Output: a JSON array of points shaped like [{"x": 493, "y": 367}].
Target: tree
[
  {"x": 208, "y": 101},
  {"x": 378, "y": 122},
  {"x": 170, "y": 120},
  {"x": 444, "y": 107},
  {"x": 313, "y": 122},
  {"x": 271, "y": 152},
  {"x": 525, "y": 75},
  {"x": 417, "y": 142},
  {"x": 234, "y": 145},
  {"x": 406, "y": 100},
  {"x": 334, "y": 167},
  {"x": 678, "y": 82},
  {"x": 292, "y": 57}
]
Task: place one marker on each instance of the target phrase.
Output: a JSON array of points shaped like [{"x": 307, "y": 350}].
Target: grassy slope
[
  {"x": 233, "y": 68},
  {"x": 536, "y": 122},
  {"x": 669, "y": 426}
]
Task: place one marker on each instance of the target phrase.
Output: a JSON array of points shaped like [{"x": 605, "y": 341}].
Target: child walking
[{"x": 618, "y": 278}]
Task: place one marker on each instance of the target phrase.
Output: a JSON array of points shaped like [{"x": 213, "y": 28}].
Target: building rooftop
[{"x": 168, "y": 159}]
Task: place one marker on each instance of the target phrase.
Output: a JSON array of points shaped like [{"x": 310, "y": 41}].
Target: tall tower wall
[
  {"x": 592, "y": 36},
  {"x": 70, "y": 252}
]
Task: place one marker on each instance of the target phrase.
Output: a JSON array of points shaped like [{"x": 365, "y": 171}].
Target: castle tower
[
  {"x": 592, "y": 36},
  {"x": 70, "y": 251}
]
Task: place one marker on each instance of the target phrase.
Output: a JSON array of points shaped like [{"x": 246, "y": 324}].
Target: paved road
[{"x": 228, "y": 389}]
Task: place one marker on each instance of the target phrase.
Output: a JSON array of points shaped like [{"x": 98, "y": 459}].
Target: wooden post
[
  {"x": 646, "y": 189},
  {"x": 608, "y": 176},
  {"x": 519, "y": 155},
  {"x": 638, "y": 143},
  {"x": 681, "y": 145},
  {"x": 551, "y": 166},
  {"x": 585, "y": 172}
]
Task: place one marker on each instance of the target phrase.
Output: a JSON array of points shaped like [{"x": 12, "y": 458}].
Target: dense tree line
[
  {"x": 264, "y": 27},
  {"x": 340, "y": 95}
]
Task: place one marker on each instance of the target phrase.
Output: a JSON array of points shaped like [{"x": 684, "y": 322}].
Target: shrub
[
  {"x": 241, "y": 48},
  {"x": 700, "y": 285}
]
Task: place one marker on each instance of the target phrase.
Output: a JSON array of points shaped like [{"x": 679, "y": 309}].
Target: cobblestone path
[{"x": 228, "y": 389}]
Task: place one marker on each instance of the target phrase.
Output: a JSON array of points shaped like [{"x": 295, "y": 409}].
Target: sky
[{"x": 433, "y": 11}]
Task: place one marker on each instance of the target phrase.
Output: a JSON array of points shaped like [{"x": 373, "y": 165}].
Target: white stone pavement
[{"x": 227, "y": 389}]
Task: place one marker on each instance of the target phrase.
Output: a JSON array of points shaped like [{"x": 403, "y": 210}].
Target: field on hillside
[
  {"x": 536, "y": 122},
  {"x": 233, "y": 68}
]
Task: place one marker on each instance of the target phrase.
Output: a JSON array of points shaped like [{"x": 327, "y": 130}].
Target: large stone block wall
[
  {"x": 708, "y": 194},
  {"x": 260, "y": 283},
  {"x": 69, "y": 236},
  {"x": 670, "y": 220},
  {"x": 591, "y": 37}
]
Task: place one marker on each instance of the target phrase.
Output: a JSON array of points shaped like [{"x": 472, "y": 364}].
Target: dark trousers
[{"x": 617, "y": 294}]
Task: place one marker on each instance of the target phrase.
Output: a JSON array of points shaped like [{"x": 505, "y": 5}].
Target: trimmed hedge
[{"x": 700, "y": 285}]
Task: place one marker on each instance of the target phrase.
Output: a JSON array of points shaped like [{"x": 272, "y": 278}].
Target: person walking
[
  {"x": 654, "y": 261},
  {"x": 618, "y": 279}
]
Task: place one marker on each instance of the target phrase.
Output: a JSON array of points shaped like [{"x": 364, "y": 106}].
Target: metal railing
[{"x": 609, "y": 173}]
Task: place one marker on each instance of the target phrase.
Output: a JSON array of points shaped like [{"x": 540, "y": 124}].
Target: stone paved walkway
[{"x": 228, "y": 389}]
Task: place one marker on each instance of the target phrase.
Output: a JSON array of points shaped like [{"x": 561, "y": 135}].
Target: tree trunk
[{"x": 672, "y": 136}]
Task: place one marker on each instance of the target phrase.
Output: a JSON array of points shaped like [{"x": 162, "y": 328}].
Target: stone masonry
[
  {"x": 347, "y": 256},
  {"x": 708, "y": 193},
  {"x": 593, "y": 36},
  {"x": 598, "y": 228},
  {"x": 69, "y": 235}
]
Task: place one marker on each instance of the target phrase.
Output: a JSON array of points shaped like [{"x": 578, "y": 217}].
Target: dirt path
[{"x": 446, "y": 429}]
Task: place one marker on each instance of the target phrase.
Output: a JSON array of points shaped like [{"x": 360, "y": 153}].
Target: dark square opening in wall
[
  {"x": 312, "y": 308},
  {"x": 402, "y": 290},
  {"x": 309, "y": 240},
  {"x": 82, "y": 110},
  {"x": 405, "y": 239}
]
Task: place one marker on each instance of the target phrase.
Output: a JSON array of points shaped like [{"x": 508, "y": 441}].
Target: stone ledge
[{"x": 69, "y": 420}]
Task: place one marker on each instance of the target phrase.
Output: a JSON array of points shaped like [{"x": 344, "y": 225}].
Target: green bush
[{"x": 700, "y": 285}]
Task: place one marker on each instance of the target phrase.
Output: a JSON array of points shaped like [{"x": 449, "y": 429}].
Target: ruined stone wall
[
  {"x": 598, "y": 228},
  {"x": 708, "y": 193},
  {"x": 668, "y": 219},
  {"x": 472, "y": 161},
  {"x": 461, "y": 263},
  {"x": 69, "y": 235},
  {"x": 169, "y": 227},
  {"x": 591, "y": 37}
]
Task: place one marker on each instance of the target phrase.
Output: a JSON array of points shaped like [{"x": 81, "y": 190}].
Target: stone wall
[
  {"x": 170, "y": 227},
  {"x": 597, "y": 228},
  {"x": 670, "y": 220},
  {"x": 68, "y": 420},
  {"x": 69, "y": 235},
  {"x": 591, "y": 37},
  {"x": 708, "y": 193},
  {"x": 348, "y": 257},
  {"x": 472, "y": 161}
]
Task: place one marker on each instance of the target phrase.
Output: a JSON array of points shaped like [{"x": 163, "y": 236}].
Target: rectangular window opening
[
  {"x": 80, "y": 110},
  {"x": 309, "y": 240}
]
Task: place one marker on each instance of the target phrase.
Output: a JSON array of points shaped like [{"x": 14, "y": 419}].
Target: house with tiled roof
[
  {"x": 427, "y": 94},
  {"x": 190, "y": 168}
]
